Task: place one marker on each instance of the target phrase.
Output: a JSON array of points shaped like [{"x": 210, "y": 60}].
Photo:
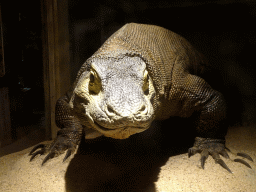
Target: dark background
[{"x": 224, "y": 31}]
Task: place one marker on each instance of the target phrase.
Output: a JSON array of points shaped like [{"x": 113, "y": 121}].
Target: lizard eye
[
  {"x": 146, "y": 83},
  {"x": 92, "y": 78},
  {"x": 94, "y": 84}
]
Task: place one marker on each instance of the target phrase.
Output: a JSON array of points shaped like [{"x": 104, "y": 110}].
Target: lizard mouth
[
  {"x": 123, "y": 127},
  {"x": 119, "y": 132},
  {"x": 101, "y": 127}
]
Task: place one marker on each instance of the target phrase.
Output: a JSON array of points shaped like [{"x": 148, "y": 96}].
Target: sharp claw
[
  {"x": 189, "y": 153},
  {"x": 67, "y": 155},
  {"x": 224, "y": 154},
  {"x": 243, "y": 162},
  {"x": 49, "y": 156},
  {"x": 223, "y": 164},
  {"x": 36, "y": 147},
  {"x": 204, "y": 156},
  {"x": 36, "y": 153},
  {"x": 245, "y": 156}
]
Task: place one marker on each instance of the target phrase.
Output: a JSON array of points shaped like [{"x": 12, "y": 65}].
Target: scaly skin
[{"x": 140, "y": 74}]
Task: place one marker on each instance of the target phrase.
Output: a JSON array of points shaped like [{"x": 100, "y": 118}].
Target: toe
[
  {"x": 69, "y": 152},
  {"x": 243, "y": 162},
  {"x": 49, "y": 156},
  {"x": 192, "y": 151},
  {"x": 218, "y": 160},
  {"x": 37, "y": 153},
  {"x": 245, "y": 156},
  {"x": 37, "y": 147},
  {"x": 204, "y": 156}
]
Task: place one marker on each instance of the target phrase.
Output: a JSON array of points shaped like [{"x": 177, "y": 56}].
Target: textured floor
[{"x": 131, "y": 165}]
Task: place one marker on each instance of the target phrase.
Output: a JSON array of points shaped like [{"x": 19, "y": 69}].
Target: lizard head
[{"x": 116, "y": 96}]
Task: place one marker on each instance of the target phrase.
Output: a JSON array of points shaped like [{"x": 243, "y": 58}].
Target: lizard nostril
[
  {"x": 110, "y": 109},
  {"x": 142, "y": 108}
]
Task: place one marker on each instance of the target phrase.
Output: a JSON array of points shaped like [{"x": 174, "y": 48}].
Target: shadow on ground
[{"x": 133, "y": 164}]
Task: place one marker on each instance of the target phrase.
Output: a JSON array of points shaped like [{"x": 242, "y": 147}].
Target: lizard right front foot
[{"x": 62, "y": 143}]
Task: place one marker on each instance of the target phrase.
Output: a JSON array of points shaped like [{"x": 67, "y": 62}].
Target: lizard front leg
[
  {"x": 215, "y": 148},
  {"x": 196, "y": 96},
  {"x": 67, "y": 138},
  {"x": 212, "y": 128}
]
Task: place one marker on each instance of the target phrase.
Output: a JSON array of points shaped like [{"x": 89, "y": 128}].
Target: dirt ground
[{"x": 131, "y": 165}]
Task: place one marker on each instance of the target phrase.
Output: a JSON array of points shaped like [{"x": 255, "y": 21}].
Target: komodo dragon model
[{"x": 140, "y": 74}]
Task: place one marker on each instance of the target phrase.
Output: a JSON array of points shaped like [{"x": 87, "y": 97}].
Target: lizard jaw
[{"x": 119, "y": 133}]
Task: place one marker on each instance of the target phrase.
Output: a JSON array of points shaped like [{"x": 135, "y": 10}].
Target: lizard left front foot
[{"x": 214, "y": 147}]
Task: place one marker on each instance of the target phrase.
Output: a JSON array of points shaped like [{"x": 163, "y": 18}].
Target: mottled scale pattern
[
  {"x": 65, "y": 119},
  {"x": 175, "y": 67},
  {"x": 140, "y": 74}
]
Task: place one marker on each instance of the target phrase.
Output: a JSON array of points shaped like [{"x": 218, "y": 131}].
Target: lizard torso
[
  {"x": 120, "y": 65},
  {"x": 142, "y": 73}
]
